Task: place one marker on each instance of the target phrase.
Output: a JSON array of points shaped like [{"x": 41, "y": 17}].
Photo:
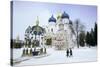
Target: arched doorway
[{"x": 49, "y": 41}]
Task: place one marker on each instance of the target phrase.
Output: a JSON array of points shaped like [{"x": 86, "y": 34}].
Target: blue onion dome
[
  {"x": 52, "y": 19},
  {"x": 65, "y": 15},
  {"x": 38, "y": 30},
  {"x": 70, "y": 22}
]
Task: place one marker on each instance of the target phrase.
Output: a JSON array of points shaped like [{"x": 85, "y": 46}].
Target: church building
[{"x": 59, "y": 32}]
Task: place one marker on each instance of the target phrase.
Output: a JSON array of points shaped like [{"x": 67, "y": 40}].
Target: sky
[{"x": 25, "y": 14}]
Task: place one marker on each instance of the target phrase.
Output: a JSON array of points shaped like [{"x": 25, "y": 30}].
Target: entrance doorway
[{"x": 49, "y": 41}]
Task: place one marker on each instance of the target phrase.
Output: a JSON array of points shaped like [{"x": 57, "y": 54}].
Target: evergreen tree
[
  {"x": 92, "y": 41},
  {"x": 82, "y": 38},
  {"x": 91, "y": 37},
  {"x": 95, "y": 34},
  {"x": 87, "y": 39}
]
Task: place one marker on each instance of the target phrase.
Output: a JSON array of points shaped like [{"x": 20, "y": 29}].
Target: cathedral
[{"x": 60, "y": 32}]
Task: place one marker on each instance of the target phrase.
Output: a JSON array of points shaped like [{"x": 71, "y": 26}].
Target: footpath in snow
[{"x": 59, "y": 56}]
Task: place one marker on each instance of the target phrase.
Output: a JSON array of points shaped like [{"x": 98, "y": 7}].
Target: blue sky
[{"x": 26, "y": 12}]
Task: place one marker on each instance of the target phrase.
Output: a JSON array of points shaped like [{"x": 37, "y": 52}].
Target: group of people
[{"x": 69, "y": 52}]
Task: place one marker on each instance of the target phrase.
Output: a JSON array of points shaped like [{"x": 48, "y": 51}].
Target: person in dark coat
[
  {"x": 44, "y": 50},
  {"x": 67, "y": 53},
  {"x": 71, "y": 52},
  {"x": 41, "y": 50},
  {"x": 23, "y": 52}
]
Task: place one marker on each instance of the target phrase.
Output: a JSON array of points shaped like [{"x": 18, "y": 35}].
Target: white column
[{"x": 40, "y": 40}]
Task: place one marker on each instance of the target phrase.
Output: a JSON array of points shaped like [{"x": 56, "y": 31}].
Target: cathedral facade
[{"x": 60, "y": 32}]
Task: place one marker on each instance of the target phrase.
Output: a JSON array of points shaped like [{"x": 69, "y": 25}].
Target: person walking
[
  {"x": 67, "y": 53},
  {"x": 71, "y": 52},
  {"x": 45, "y": 50}
]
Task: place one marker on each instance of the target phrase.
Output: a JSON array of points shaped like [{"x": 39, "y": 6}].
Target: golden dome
[{"x": 58, "y": 15}]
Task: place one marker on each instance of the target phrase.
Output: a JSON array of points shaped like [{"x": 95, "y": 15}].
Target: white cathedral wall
[
  {"x": 56, "y": 28},
  {"x": 59, "y": 21},
  {"x": 65, "y": 20},
  {"x": 51, "y": 25}
]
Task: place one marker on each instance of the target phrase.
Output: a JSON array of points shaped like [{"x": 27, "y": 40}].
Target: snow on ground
[
  {"x": 17, "y": 53},
  {"x": 59, "y": 56}
]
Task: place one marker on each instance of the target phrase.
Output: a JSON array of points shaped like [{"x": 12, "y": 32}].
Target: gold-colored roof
[{"x": 58, "y": 15}]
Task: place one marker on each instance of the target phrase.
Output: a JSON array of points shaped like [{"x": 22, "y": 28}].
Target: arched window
[{"x": 51, "y": 29}]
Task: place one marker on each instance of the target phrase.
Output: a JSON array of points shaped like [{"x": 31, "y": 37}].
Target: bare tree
[{"x": 78, "y": 28}]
